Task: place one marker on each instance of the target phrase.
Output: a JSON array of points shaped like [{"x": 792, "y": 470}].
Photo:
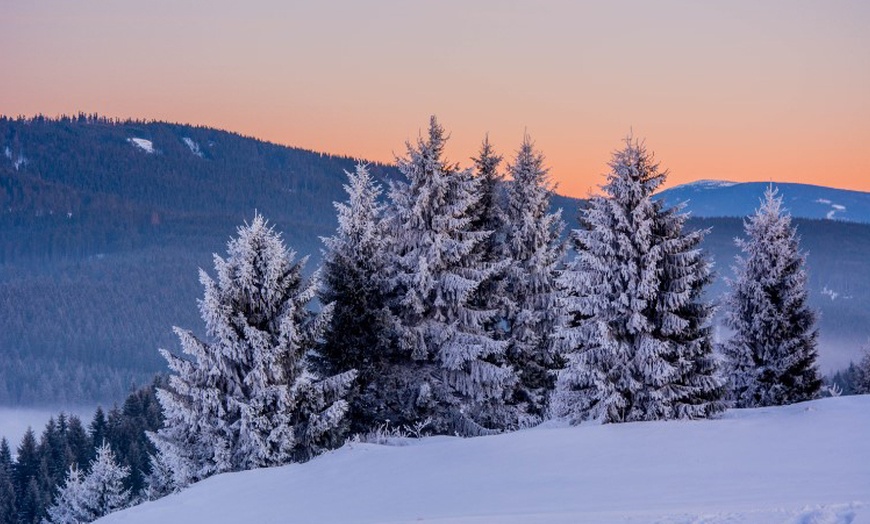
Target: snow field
[{"x": 800, "y": 464}]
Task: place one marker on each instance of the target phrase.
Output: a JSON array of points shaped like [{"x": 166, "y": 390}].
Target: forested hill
[
  {"x": 86, "y": 185},
  {"x": 103, "y": 225}
]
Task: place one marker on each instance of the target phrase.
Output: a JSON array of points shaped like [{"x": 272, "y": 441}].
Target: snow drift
[{"x": 808, "y": 462}]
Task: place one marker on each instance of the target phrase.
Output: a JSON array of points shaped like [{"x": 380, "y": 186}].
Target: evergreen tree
[
  {"x": 126, "y": 433},
  {"x": 353, "y": 282},
  {"x": 488, "y": 218},
  {"x": 159, "y": 481},
  {"x": 97, "y": 430},
  {"x": 636, "y": 338},
  {"x": 772, "y": 355},
  {"x": 103, "y": 486},
  {"x": 535, "y": 250},
  {"x": 79, "y": 447},
  {"x": 247, "y": 399},
  {"x": 452, "y": 370},
  {"x": 30, "y": 499},
  {"x": 862, "y": 375},
  {"x": 85, "y": 498},
  {"x": 69, "y": 504},
  {"x": 53, "y": 454},
  {"x": 488, "y": 214},
  {"x": 8, "y": 509}
]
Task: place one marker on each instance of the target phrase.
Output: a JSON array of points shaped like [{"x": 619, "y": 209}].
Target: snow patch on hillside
[
  {"x": 16, "y": 162},
  {"x": 141, "y": 143},
  {"x": 834, "y": 295},
  {"x": 808, "y": 462},
  {"x": 193, "y": 146},
  {"x": 835, "y": 208}
]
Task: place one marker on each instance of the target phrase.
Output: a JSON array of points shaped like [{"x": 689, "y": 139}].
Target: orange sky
[{"x": 739, "y": 90}]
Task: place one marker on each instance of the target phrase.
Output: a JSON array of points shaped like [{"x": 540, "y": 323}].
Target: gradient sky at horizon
[{"x": 740, "y": 90}]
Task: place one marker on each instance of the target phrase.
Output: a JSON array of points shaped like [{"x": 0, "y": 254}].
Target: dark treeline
[{"x": 32, "y": 472}]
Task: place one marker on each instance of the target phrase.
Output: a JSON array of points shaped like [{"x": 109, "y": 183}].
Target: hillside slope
[{"x": 806, "y": 463}]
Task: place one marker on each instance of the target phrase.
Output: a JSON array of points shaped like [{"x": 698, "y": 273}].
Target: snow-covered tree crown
[
  {"x": 636, "y": 338},
  {"x": 773, "y": 351},
  {"x": 247, "y": 398},
  {"x": 358, "y": 216},
  {"x": 634, "y": 173}
]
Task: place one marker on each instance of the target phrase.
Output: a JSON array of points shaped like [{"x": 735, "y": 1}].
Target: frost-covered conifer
[
  {"x": 862, "y": 374},
  {"x": 246, "y": 399},
  {"x": 451, "y": 370},
  {"x": 637, "y": 338},
  {"x": 85, "y": 498},
  {"x": 488, "y": 213},
  {"x": 772, "y": 355},
  {"x": 103, "y": 486},
  {"x": 69, "y": 503},
  {"x": 532, "y": 241},
  {"x": 354, "y": 282}
]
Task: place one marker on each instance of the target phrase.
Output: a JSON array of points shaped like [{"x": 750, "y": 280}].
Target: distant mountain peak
[{"x": 719, "y": 198}]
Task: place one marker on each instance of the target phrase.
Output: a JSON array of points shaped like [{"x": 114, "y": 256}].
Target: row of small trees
[
  {"x": 449, "y": 304},
  {"x": 85, "y": 460}
]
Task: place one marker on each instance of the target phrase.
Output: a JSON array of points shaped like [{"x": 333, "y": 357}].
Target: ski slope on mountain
[{"x": 806, "y": 463}]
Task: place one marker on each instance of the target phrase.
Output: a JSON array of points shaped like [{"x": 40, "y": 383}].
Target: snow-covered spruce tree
[
  {"x": 354, "y": 283},
  {"x": 247, "y": 398},
  {"x": 85, "y": 498},
  {"x": 636, "y": 338},
  {"x": 450, "y": 369},
  {"x": 532, "y": 239},
  {"x": 488, "y": 213},
  {"x": 862, "y": 374},
  {"x": 69, "y": 503},
  {"x": 488, "y": 217},
  {"x": 772, "y": 354}
]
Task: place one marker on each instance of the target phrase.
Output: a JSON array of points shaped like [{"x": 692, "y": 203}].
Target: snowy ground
[{"x": 801, "y": 464}]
